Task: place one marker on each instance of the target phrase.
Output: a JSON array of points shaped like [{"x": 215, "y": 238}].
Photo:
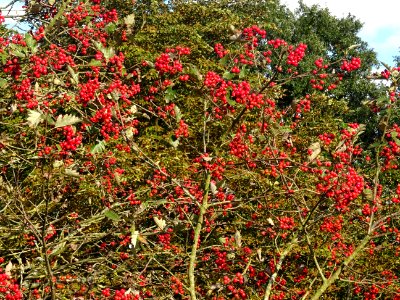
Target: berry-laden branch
[{"x": 197, "y": 231}]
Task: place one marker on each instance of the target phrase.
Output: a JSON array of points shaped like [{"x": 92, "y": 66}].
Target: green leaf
[
  {"x": 3, "y": 83},
  {"x": 66, "y": 120},
  {"x": 228, "y": 75},
  {"x": 195, "y": 72},
  {"x": 224, "y": 61},
  {"x": 169, "y": 94},
  {"x": 112, "y": 215},
  {"x": 98, "y": 148},
  {"x": 110, "y": 28},
  {"x": 230, "y": 101},
  {"x": 178, "y": 114},
  {"x": 75, "y": 77},
  {"x": 31, "y": 42},
  {"x": 243, "y": 73},
  {"x": 107, "y": 52},
  {"x": 95, "y": 63}
]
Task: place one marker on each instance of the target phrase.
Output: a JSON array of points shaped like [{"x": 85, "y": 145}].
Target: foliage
[{"x": 162, "y": 166}]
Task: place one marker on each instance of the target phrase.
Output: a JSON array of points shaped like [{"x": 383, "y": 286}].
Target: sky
[
  {"x": 381, "y": 29},
  {"x": 381, "y": 21}
]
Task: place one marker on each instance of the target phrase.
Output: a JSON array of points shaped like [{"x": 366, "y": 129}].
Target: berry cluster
[
  {"x": 296, "y": 55},
  {"x": 352, "y": 65}
]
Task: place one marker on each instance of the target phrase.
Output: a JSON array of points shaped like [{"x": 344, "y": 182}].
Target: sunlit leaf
[
  {"x": 66, "y": 120},
  {"x": 34, "y": 118}
]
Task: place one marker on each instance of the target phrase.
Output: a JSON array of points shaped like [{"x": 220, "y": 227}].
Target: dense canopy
[{"x": 196, "y": 150}]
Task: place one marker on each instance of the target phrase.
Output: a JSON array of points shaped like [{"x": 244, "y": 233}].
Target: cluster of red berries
[
  {"x": 9, "y": 290},
  {"x": 353, "y": 64},
  {"x": 183, "y": 130},
  {"x": 220, "y": 50},
  {"x": 13, "y": 68},
  {"x": 296, "y": 55},
  {"x": 326, "y": 138},
  {"x": 72, "y": 141},
  {"x": 332, "y": 224}
]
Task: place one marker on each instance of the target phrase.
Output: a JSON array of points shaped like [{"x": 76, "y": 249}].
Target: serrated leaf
[
  {"x": 31, "y": 42},
  {"x": 213, "y": 188},
  {"x": 160, "y": 223},
  {"x": 98, "y": 148},
  {"x": 133, "y": 109},
  {"x": 134, "y": 238},
  {"x": 169, "y": 94},
  {"x": 66, "y": 120},
  {"x": 238, "y": 238},
  {"x": 228, "y": 75},
  {"x": 243, "y": 73},
  {"x": 34, "y": 118},
  {"x": 110, "y": 28},
  {"x": 58, "y": 163},
  {"x": 74, "y": 76},
  {"x": 223, "y": 61},
  {"x": 178, "y": 114},
  {"x": 195, "y": 72},
  {"x": 173, "y": 143},
  {"x": 112, "y": 215},
  {"x": 72, "y": 172},
  {"x": 95, "y": 63},
  {"x": 129, "y": 20},
  {"x": 8, "y": 269}
]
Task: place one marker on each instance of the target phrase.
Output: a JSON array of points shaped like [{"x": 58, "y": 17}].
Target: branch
[
  {"x": 339, "y": 270},
  {"x": 279, "y": 266},
  {"x": 193, "y": 254}
]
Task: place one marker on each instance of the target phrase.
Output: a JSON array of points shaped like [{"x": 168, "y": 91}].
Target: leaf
[
  {"x": 133, "y": 109},
  {"x": 243, "y": 73},
  {"x": 315, "y": 151},
  {"x": 129, "y": 20},
  {"x": 195, "y": 72},
  {"x": 58, "y": 163},
  {"x": 213, "y": 188},
  {"x": 112, "y": 215},
  {"x": 110, "y": 28},
  {"x": 238, "y": 238},
  {"x": 95, "y": 63},
  {"x": 228, "y": 75},
  {"x": 134, "y": 238},
  {"x": 66, "y": 120},
  {"x": 224, "y": 61},
  {"x": 107, "y": 52},
  {"x": 169, "y": 94},
  {"x": 8, "y": 269},
  {"x": 98, "y": 148},
  {"x": 3, "y": 83},
  {"x": 72, "y": 172},
  {"x": 160, "y": 223},
  {"x": 173, "y": 143},
  {"x": 31, "y": 42},
  {"x": 75, "y": 77},
  {"x": 34, "y": 118},
  {"x": 178, "y": 114}
]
